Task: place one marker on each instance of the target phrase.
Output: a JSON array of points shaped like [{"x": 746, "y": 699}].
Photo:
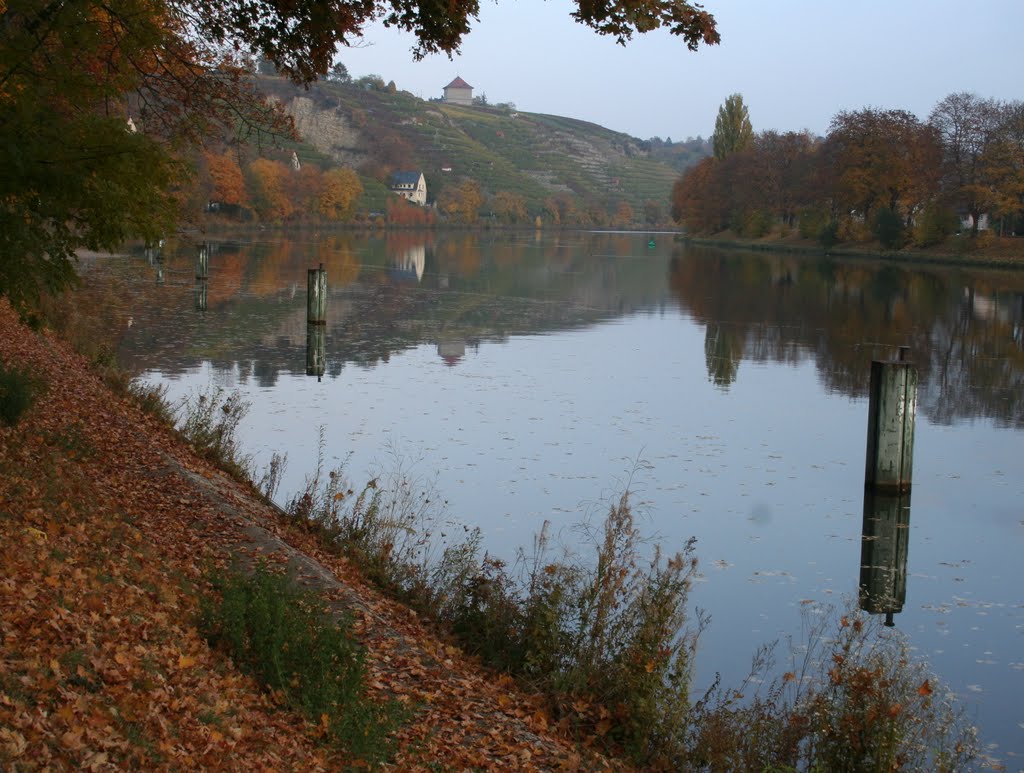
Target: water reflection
[
  {"x": 316, "y": 350},
  {"x": 885, "y": 540},
  {"x": 963, "y": 326},
  {"x": 202, "y": 294},
  {"x": 395, "y": 292}
]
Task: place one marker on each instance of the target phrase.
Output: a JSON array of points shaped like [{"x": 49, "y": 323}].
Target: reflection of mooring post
[
  {"x": 885, "y": 540},
  {"x": 203, "y": 261},
  {"x": 316, "y": 299},
  {"x": 316, "y": 350},
  {"x": 891, "y": 410},
  {"x": 201, "y": 287}
]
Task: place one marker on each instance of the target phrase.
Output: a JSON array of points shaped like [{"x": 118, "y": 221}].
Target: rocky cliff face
[{"x": 329, "y": 130}]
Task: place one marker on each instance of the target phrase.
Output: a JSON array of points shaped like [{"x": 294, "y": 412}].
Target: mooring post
[
  {"x": 316, "y": 350},
  {"x": 885, "y": 540},
  {"x": 201, "y": 293},
  {"x": 892, "y": 408},
  {"x": 316, "y": 298},
  {"x": 203, "y": 261}
]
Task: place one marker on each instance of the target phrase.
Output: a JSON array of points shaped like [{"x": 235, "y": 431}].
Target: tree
[
  {"x": 268, "y": 190},
  {"x": 228, "y": 184},
  {"x": 462, "y": 202},
  {"x": 733, "y": 130},
  {"x": 1003, "y": 164},
  {"x": 338, "y": 194},
  {"x": 339, "y": 73},
  {"x": 623, "y": 214},
  {"x": 509, "y": 207},
  {"x": 698, "y": 198},
  {"x": 966, "y": 125},
  {"x": 73, "y": 72},
  {"x": 654, "y": 212},
  {"x": 882, "y": 158}
]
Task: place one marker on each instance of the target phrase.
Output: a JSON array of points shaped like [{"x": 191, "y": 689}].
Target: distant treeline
[{"x": 880, "y": 175}]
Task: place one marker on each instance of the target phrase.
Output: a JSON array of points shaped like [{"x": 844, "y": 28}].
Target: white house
[
  {"x": 458, "y": 92},
  {"x": 410, "y": 185}
]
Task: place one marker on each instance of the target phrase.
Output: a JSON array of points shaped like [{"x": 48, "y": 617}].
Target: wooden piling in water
[
  {"x": 203, "y": 261},
  {"x": 316, "y": 298},
  {"x": 202, "y": 287},
  {"x": 316, "y": 350},
  {"x": 892, "y": 409},
  {"x": 885, "y": 540}
]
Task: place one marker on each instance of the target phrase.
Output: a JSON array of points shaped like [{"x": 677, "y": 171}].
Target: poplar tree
[{"x": 733, "y": 130}]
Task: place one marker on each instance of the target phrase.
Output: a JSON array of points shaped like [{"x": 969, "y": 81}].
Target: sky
[{"x": 796, "y": 62}]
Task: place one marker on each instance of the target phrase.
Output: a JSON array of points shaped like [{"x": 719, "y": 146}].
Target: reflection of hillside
[
  {"x": 964, "y": 328},
  {"x": 388, "y": 294}
]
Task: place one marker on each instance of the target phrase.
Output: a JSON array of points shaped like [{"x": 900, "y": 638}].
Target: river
[{"x": 530, "y": 377}]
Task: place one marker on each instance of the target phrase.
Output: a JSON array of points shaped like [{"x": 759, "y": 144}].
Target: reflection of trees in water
[
  {"x": 388, "y": 293},
  {"x": 965, "y": 328},
  {"x": 723, "y": 350}
]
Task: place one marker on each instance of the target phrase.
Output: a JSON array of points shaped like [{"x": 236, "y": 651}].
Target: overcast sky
[{"x": 796, "y": 62}]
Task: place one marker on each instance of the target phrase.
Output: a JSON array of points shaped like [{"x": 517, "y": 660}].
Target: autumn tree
[
  {"x": 883, "y": 158},
  {"x": 654, "y": 212},
  {"x": 699, "y": 200},
  {"x": 509, "y": 207},
  {"x": 623, "y": 214},
  {"x": 226, "y": 179},
  {"x": 1003, "y": 164},
  {"x": 77, "y": 174},
  {"x": 461, "y": 202},
  {"x": 979, "y": 150},
  {"x": 338, "y": 194},
  {"x": 733, "y": 130},
  {"x": 269, "y": 185}
]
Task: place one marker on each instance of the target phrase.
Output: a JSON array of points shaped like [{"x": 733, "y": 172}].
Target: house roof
[
  {"x": 458, "y": 83},
  {"x": 405, "y": 178}
]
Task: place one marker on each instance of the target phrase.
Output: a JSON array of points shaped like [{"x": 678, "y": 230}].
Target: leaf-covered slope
[{"x": 532, "y": 155}]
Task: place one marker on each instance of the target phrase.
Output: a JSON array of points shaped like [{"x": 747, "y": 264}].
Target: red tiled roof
[{"x": 458, "y": 83}]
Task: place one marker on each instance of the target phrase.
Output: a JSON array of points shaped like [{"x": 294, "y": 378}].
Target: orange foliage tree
[
  {"x": 339, "y": 191},
  {"x": 883, "y": 158},
  {"x": 228, "y": 184},
  {"x": 509, "y": 207},
  {"x": 462, "y": 202},
  {"x": 269, "y": 183}
]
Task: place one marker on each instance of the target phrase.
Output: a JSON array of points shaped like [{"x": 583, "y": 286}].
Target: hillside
[
  {"x": 109, "y": 527},
  {"x": 582, "y": 168}
]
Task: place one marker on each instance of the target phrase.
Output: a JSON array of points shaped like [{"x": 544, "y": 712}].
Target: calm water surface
[{"x": 535, "y": 375}]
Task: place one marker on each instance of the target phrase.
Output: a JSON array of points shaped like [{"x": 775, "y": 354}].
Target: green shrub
[
  {"x": 811, "y": 221},
  {"x": 854, "y": 700},
  {"x": 829, "y": 234},
  {"x": 888, "y": 228},
  {"x": 153, "y": 400},
  {"x": 604, "y": 636},
  {"x": 209, "y": 421},
  {"x": 607, "y": 638},
  {"x": 282, "y": 635},
  {"x": 934, "y": 225},
  {"x": 18, "y": 391}
]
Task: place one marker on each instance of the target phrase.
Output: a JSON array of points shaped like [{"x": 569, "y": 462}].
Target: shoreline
[{"x": 845, "y": 250}]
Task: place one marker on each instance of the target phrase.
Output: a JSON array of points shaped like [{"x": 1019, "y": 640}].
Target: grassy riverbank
[
  {"x": 115, "y": 532},
  {"x": 110, "y": 526},
  {"x": 987, "y": 251}
]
